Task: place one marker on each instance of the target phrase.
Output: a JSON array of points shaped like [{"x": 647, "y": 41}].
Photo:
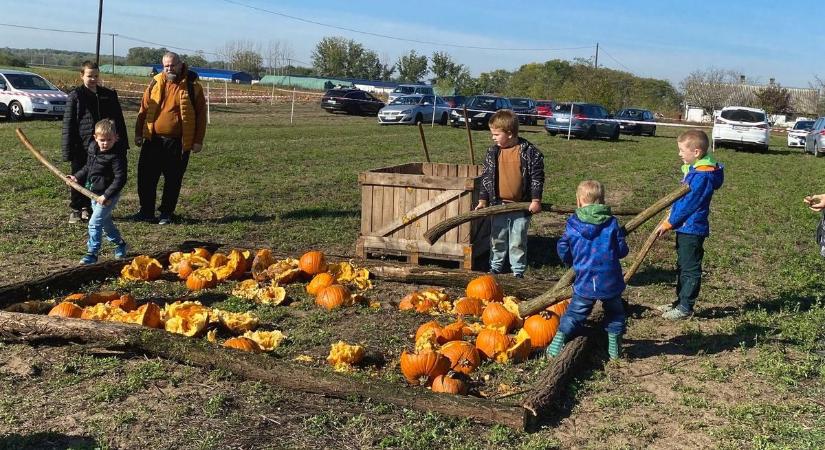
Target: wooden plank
[
  {"x": 398, "y": 210},
  {"x": 366, "y": 209},
  {"x": 404, "y": 217},
  {"x": 451, "y": 210},
  {"x": 417, "y": 181},
  {"x": 464, "y": 204},
  {"x": 427, "y": 169},
  {"x": 377, "y": 205},
  {"x": 408, "y": 245},
  {"x": 412, "y": 230},
  {"x": 387, "y": 209}
]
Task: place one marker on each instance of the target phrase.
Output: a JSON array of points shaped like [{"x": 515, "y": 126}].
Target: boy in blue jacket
[
  {"x": 593, "y": 243},
  {"x": 689, "y": 219}
]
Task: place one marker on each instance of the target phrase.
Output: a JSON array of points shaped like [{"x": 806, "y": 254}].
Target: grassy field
[{"x": 746, "y": 372}]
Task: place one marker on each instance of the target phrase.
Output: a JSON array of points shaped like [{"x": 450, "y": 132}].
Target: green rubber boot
[
  {"x": 555, "y": 347},
  {"x": 614, "y": 345}
]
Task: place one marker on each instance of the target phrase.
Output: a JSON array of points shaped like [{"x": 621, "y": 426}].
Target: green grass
[{"x": 263, "y": 182}]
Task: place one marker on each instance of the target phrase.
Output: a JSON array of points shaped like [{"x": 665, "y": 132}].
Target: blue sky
[{"x": 651, "y": 39}]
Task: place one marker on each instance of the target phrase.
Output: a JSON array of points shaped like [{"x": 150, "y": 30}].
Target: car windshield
[
  {"x": 565, "y": 108},
  {"x": 485, "y": 103},
  {"x": 406, "y": 100},
  {"x": 630, "y": 113},
  {"x": 520, "y": 102},
  {"x": 804, "y": 125},
  {"x": 336, "y": 93},
  {"x": 743, "y": 115},
  {"x": 403, "y": 90},
  {"x": 28, "y": 81}
]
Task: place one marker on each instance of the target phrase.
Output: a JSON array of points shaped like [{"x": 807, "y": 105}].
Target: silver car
[
  {"x": 815, "y": 140},
  {"x": 797, "y": 134},
  {"x": 413, "y": 109}
]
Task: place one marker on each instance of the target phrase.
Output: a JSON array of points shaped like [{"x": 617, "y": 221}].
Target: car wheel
[
  {"x": 591, "y": 133},
  {"x": 653, "y": 132},
  {"x": 443, "y": 119},
  {"x": 615, "y": 135},
  {"x": 16, "y": 113},
  {"x": 553, "y": 133}
]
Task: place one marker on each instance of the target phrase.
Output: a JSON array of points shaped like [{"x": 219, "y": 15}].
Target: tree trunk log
[
  {"x": 573, "y": 359},
  {"x": 562, "y": 289},
  {"x": 441, "y": 228},
  {"x": 200, "y": 353}
]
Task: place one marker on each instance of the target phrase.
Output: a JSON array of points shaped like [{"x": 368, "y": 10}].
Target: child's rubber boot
[
  {"x": 121, "y": 249},
  {"x": 88, "y": 258},
  {"x": 614, "y": 345},
  {"x": 555, "y": 347}
]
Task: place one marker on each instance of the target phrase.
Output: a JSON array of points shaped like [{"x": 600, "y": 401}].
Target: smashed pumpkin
[
  {"x": 142, "y": 268},
  {"x": 66, "y": 309},
  {"x": 343, "y": 356},
  {"x": 242, "y": 343},
  {"x": 266, "y": 340},
  {"x": 463, "y": 356}
]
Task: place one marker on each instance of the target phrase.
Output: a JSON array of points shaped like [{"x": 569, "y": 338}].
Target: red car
[{"x": 544, "y": 108}]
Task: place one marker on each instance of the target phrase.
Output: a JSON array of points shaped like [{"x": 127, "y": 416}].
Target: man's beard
[{"x": 171, "y": 76}]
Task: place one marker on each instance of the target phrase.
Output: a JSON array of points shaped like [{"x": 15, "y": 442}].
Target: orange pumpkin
[
  {"x": 147, "y": 315},
  {"x": 217, "y": 259},
  {"x": 313, "y": 263},
  {"x": 204, "y": 278},
  {"x": 490, "y": 343},
  {"x": 495, "y": 314},
  {"x": 126, "y": 302},
  {"x": 519, "y": 351},
  {"x": 202, "y": 252},
  {"x": 242, "y": 343},
  {"x": 334, "y": 296},
  {"x": 423, "y": 367},
  {"x": 559, "y": 308},
  {"x": 241, "y": 259},
  {"x": 463, "y": 356},
  {"x": 102, "y": 297},
  {"x": 431, "y": 325},
  {"x": 263, "y": 259},
  {"x": 79, "y": 298},
  {"x": 66, "y": 309},
  {"x": 541, "y": 328},
  {"x": 320, "y": 281},
  {"x": 468, "y": 306},
  {"x": 417, "y": 302},
  {"x": 485, "y": 287},
  {"x": 449, "y": 384},
  {"x": 452, "y": 332}
]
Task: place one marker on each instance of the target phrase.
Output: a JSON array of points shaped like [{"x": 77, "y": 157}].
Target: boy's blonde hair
[
  {"x": 505, "y": 120},
  {"x": 590, "y": 191},
  {"x": 105, "y": 127},
  {"x": 695, "y": 139}
]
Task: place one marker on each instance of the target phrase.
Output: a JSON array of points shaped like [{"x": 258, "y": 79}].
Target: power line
[
  {"x": 396, "y": 38},
  {"x": 616, "y": 60}
]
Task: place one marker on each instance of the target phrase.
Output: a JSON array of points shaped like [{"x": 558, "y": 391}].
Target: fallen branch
[
  {"x": 441, "y": 228},
  {"x": 250, "y": 366}
]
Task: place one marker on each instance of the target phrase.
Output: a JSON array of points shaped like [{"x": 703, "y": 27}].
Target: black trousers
[
  {"x": 160, "y": 156},
  {"x": 689, "y": 253},
  {"x": 77, "y": 200}
]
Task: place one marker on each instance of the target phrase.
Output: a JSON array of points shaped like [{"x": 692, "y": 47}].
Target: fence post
[
  {"x": 208, "y": 105},
  {"x": 225, "y": 93},
  {"x": 292, "y": 113},
  {"x": 272, "y": 97}
]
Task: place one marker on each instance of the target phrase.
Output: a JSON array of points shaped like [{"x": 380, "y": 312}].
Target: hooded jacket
[
  {"x": 593, "y": 243},
  {"x": 192, "y": 110},
  {"x": 532, "y": 173},
  {"x": 84, "y": 109},
  {"x": 689, "y": 214},
  {"x": 104, "y": 172}
]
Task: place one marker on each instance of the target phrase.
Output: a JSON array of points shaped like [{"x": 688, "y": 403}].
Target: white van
[
  {"x": 27, "y": 94},
  {"x": 410, "y": 89}
]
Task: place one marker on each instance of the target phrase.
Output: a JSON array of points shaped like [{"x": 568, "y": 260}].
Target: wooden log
[
  {"x": 423, "y": 142},
  {"x": 43, "y": 160},
  {"x": 441, "y": 228},
  {"x": 75, "y": 277},
  {"x": 573, "y": 360},
  {"x": 259, "y": 367},
  {"x": 562, "y": 290},
  {"x": 456, "y": 278},
  {"x": 642, "y": 253}
]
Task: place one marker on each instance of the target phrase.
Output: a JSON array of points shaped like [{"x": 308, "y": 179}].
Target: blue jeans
[
  {"x": 580, "y": 307},
  {"x": 100, "y": 221},
  {"x": 508, "y": 235}
]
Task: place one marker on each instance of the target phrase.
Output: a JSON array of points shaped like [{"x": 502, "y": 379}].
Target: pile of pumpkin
[
  {"x": 445, "y": 356},
  {"x": 187, "y": 318}
]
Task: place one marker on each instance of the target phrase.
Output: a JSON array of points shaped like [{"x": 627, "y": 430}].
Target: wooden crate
[{"x": 400, "y": 203}]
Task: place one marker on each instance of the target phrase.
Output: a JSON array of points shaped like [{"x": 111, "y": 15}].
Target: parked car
[
  {"x": 741, "y": 126},
  {"x": 587, "y": 120},
  {"x": 815, "y": 140},
  {"x": 797, "y": 134},
  {"x": 479, "y": 110},
  {"x": 414, "y": 109},
  {"x": 638, "y": 121},
  {"x": 410, "y": 89},
  {"x": 526, "y": 110},
  {"x": 29, "y": 95},
  {"x": 544, "y": 108},
  {"x": 4, "y": 110},
  {"x": 455, "y": 101},
  {"x": 351, "y": 101}
]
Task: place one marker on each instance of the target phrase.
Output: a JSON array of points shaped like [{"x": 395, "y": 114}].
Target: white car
[
  {"x": 410, "y": 89},
  {"x": 797, "y": 134},
  {"x": 27, "y": 94},
  {"x": 815, "y": 140},
  {"x": 413, "y": 109},
  {"x": 742, "y": 126}
]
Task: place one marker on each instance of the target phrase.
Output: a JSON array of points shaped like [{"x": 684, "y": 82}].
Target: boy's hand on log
[
  {"x": 662, "y": 229},
  {"x": 102, "y": 200},
  {"x": 72, "y": 178},
  {"x": 815, "y": 202},
  {"x": 481, "y": 204},
  {"x": 535, "y": 206}
]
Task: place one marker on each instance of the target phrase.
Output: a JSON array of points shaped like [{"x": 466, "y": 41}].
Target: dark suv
[
  {"x": 526, "y": 110},
  {"x": 351, "y": 101},
  {"x": 587, "y": 120},
  {"x": 636, "y": 121},
  {"x": 455, "y": 101},
  {"x": 479, "y": 110}
]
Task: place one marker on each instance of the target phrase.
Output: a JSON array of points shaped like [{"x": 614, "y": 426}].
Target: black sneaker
[
  {"x": 518, "y": 275},
  {"x": 74, "y": 216},
  {"x": 165, "y": 220},
  {"x": 141, "y": 217},
  {"x": 85, "y": 214}
]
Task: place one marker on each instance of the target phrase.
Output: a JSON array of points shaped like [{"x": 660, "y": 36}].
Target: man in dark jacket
[{"x": 87, "y": 105}]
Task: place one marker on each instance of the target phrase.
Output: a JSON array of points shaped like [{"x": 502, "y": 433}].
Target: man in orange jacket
[{"x": 171, "y": 124}]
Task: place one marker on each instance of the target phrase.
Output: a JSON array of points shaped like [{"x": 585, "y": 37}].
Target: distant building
[{"x": 209, "y": 74}]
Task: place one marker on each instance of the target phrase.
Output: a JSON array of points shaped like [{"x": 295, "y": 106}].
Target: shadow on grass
[
  {"x": 316, "y": 213},
  {"x": 694, "y": 343},
  {"x": 46, "y": 440},
  {"x": 648, "y": 276},
  {"x": 788, "y": 301},
  {"x": 541, "y": 251}
]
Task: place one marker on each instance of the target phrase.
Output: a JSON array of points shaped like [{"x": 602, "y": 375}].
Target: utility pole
[
  {"x": 113, "y": 53},
  {"x": 99, "y": 23},
  {"x": 595, "y": 65}
]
